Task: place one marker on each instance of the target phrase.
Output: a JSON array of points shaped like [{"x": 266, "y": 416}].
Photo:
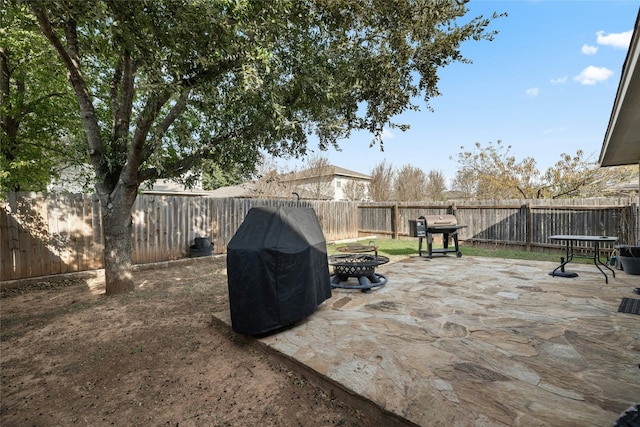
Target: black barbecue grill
[{"x": 426, "y": 226}]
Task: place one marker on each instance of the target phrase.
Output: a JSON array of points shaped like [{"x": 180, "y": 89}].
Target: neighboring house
[
  {"x": 170, "y": 188},
  {"x": 166, "y": 187},
  {"x": 246, "y": 190},
  {"x": 321, "y": 183},
  {"x": 327, "y": 183},
  {"x": 627, "y": 188}
]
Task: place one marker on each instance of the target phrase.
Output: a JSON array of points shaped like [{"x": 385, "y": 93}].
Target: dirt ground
[{"x": 72, "y": 356}]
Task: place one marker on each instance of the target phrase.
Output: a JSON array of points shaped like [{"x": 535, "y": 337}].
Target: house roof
[
  {"x": 164, "y": 186},
  {"x": 621, "y": 144},
  {"x": 244, "y": 190},
  {"x": 330, "y": 170},
  {"x": 630, "y": 186}
]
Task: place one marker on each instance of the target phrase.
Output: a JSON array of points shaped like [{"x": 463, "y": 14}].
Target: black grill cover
[{"x": 277, "y": 269}]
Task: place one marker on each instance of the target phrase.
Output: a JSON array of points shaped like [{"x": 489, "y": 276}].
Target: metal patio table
[{"x": 570, "y": 241}]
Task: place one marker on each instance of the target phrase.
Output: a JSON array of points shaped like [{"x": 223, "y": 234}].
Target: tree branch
[
  {"x": 187, "y": 162},
  {"x": 169, "y": 119},
  {"x": 145, "y": 121},
  {"x": 71, "y": 61},
  {"x": 122, "y": 100},
  {"x": 116, "y": 79}
]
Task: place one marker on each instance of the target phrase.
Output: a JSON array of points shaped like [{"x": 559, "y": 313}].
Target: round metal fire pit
[{"x": 360, "y": 266}]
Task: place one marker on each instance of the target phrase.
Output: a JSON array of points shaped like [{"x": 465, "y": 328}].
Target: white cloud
[
  {"x": 534, "y": 91},
  {"x": 616, "y": 40},
  {"x": 552, "y": 131},
  {"x": 559, "y": 80},
  {"x": 589, "y": 50},
  {"x": 387, "y": 134},
  {"x": 592, "y": 75}
]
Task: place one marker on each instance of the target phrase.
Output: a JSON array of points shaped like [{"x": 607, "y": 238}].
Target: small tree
[
  {"x": 315, "y": 180},
  {"x": 381, "y": 183},
  {"x": 464, "y": 182},
  {"x": 269, "y": 186},
  {"x": 410, "y": 184},
  {"x": 436, "y": 185},
  {"x": 267, "y": 183},
  {"x": 355, "y": 191}
]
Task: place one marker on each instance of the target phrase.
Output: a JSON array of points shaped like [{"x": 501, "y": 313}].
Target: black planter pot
[
  {"x": 629, "y": 258},
  {"x": 630, "y": 265},
  {"x": 202, "y": 242},
  {"x": 202, "y": 247}
]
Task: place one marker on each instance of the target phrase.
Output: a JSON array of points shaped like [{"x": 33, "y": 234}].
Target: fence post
[
  {"x": 394, "y": 221},
  {"x": 528, "y": 232}
]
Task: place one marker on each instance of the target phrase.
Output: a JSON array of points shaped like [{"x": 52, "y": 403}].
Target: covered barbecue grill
[
  {"x": 426, "y": 226},
  {"x": 277, "y": 269}
]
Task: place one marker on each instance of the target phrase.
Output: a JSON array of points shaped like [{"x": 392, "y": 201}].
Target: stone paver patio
[{"x": 477, "y": 341}]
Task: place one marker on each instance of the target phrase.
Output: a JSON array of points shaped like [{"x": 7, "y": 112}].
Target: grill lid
[{"x": 440, "y": 220}]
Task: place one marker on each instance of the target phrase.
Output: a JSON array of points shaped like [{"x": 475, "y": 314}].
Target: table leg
[{"x": 596, "y": 261}]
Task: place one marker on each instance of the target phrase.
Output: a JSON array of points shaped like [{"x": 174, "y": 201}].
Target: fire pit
[{"x": 360, "y": 266}]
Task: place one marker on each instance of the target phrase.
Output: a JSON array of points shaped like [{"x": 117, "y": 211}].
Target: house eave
[{"x": 621, "y": 144}]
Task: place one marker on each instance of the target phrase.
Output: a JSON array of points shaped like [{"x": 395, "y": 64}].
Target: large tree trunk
[{"x": 117, "y": 226}]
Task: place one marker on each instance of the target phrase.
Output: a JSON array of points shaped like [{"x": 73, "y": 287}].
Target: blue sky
[{"x": 545, "y": 86}]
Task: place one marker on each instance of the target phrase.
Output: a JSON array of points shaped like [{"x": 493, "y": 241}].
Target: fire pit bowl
[{"x": 360, "y": 266}]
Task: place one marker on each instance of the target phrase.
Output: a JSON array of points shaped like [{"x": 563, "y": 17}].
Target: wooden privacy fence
[
  {"x": 43, "y": 234},
  {"x": 526, "y": 224}
]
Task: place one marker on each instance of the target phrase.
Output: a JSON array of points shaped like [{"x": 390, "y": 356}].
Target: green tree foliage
[
  {"x": 213, "y": 176},
  {"x": 162, "y": 85},
  {"x": 39, "y": 119},
  {"x": 492, "y": 172}
]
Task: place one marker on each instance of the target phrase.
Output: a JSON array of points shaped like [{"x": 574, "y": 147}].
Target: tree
[
  {"x": 464, "y": 183},
  {"x": 313, "y": 182},
  {"x": 436, "y": 185},
  {"x": 491, "y": 172},
  {"x": 381, "y": 183},
  {"x": 410, "y": 184},
  {"x": 573, "y": 176},
  {"x": 268, "y": 183},
  {"x": 496, "y": 174},
  {"x": 39, "y": 121},
  {"x": 355, "y": 191},
  {"x": 213, "y": 176},
  {"x": 162, "y": 85}
]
